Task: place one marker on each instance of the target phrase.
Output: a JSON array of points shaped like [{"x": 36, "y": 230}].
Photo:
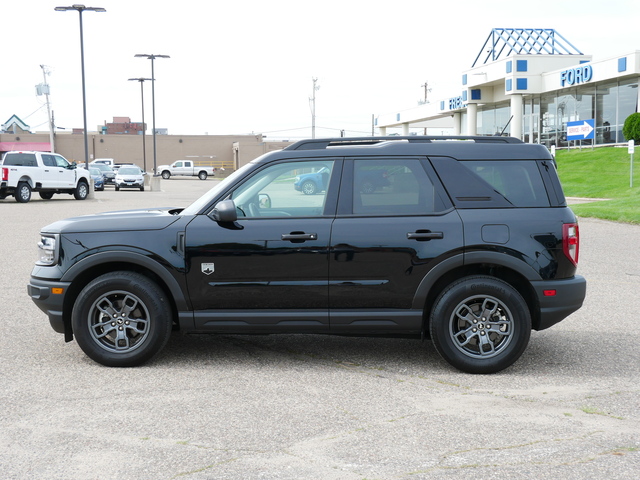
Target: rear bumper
[{"x": 569, "y": 296}]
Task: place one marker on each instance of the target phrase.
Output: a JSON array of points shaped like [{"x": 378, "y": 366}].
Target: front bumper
[
  {"x": 569, "y": 296},
  {"x": 42, "y": 294},
  {"x": 130, "y": 184}
]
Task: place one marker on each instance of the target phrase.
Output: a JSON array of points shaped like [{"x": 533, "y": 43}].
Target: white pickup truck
[
  {"x": 42, "y": 172},
  {"x": 185, "y": 167}
]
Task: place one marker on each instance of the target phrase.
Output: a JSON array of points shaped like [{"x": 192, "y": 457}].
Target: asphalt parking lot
[{"x": 314, "y": 407}]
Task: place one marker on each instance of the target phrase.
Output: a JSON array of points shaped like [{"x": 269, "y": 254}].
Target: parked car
[
  {"x": 312, "y": 183},
  {"x": 107, "y": 173},
  {"x": 129, "y": 177},
  {"x": 98, "y": 179},
  {"x": 470, "y": 243}
]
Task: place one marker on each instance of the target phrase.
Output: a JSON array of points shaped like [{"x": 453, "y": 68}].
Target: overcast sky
[{"x": 241, "y": 67}]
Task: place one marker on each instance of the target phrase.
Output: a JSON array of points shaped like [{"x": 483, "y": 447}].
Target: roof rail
[{"x": 324, "y": 143}]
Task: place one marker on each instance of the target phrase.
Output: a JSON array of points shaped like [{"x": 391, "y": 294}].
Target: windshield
[
  {"x": 129, "y": 171},
  {"x": 205, "y": 199}
]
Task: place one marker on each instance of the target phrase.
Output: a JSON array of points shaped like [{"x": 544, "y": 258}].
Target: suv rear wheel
[
  {"x": 480, "y": 324},
  {"x": 121, "y": 319}
]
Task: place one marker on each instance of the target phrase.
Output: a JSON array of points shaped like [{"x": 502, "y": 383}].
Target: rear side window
[
  {"x": 492, "y": 183},
  {"x": 396, "y": 186},
  {"x": 21, "y": 160}
]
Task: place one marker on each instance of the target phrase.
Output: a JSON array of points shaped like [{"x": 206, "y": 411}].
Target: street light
[
  {"x": 144, "y": 127},
  {"x": 80, "y": 9},
  {"x": 152, "y": 57}
]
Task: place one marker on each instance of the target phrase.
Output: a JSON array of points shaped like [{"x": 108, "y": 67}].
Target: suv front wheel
[
  {"x": 121, "y": 319},
  {"x": 480, "y": 324},
  {"x": 82, "y": 190}
]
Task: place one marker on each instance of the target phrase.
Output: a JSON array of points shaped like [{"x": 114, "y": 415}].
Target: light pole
[
  {"x": 144, "y": 127},
  {"x": 152, "y": 57},
  {"x": 80, "y": 9}
]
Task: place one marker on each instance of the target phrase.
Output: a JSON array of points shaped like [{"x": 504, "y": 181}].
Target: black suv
[{"x": 468, "y": 241}]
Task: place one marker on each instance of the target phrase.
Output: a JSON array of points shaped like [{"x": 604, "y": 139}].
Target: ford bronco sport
[{"x": 469, "y": 241}]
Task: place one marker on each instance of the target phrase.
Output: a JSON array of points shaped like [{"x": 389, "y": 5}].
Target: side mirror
[
  {"x": 225, "y": 212},
  {"x": 264, "y": 200}
]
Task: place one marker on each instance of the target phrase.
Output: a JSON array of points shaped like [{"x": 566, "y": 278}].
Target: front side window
[
  {"x": 61, "y": 161},
  {"x": 290, "y": 189}
]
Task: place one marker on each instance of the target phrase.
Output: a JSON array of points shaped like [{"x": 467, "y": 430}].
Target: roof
[{"x": 14, "y": 119}]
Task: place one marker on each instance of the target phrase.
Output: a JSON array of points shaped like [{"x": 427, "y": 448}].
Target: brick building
[{"x": 123, "y": 126}]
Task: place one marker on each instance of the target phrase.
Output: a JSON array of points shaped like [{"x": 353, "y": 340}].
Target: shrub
[{"x": 631, "y": 128}]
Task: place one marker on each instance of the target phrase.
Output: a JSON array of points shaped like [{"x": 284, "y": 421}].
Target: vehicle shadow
[{"x": 395, "y": 354}]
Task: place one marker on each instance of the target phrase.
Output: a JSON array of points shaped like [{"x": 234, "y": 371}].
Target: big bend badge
[{"x": 207, "y": 268}]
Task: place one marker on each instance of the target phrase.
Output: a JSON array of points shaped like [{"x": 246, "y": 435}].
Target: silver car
[{"x": 129, "y": 177}]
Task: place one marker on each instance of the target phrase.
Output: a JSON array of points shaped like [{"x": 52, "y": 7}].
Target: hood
[{"x": 126, "y": 220}]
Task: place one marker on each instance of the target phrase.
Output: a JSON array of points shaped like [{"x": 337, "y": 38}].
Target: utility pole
[
  {"x": 426, "y": 91},
  {"x": 44, "y": 89},
  {"x": 312, "y": 100}
]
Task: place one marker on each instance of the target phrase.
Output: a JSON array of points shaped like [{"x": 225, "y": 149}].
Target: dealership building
[{"x": 535, "y": 85}]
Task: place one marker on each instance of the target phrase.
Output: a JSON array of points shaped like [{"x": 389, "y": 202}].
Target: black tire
[
  {"x": 166, "y": 175},
  {"x": 23, "y": 192},
  {"x": 202, "y": 175},
  {"x": 480, "y": 324},
  {"x": 82, "y": 190},
  {"x": 121, "y": 319},
  {"x": 117, "y": 188},
  {"x": 46, "y": 195},
  {"x": 309, "y": 188},
  {"x": 142, "y": 188}
]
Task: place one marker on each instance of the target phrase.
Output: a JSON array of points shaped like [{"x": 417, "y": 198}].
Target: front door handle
[
  {"x": 299, "y": 237},
  {"x": 425, "y": 235}
]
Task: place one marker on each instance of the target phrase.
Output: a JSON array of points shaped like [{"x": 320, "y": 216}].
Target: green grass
[{"x": 602, "y": 173}]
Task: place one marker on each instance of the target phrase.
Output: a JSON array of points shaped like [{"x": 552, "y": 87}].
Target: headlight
[{"x": 48, "y": 250}]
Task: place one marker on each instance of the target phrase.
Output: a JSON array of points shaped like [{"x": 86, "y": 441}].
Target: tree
[{"x": 631, "y": 128}]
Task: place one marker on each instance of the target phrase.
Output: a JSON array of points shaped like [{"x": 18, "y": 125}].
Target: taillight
[
  {"x": 571, "y": 241},
  {"x": 5, "y": 174}
]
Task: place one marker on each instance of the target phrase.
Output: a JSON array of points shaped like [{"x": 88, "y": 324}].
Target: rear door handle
[
  {"x": 425, "y": 235},
  {"x": 298, "y": 237}
]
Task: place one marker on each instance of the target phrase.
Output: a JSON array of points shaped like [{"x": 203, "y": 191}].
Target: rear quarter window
[
  {"x": 518, "y": 181},
  {"x": 492, "y": 183},
  {"x": 21, "y": 160}
]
